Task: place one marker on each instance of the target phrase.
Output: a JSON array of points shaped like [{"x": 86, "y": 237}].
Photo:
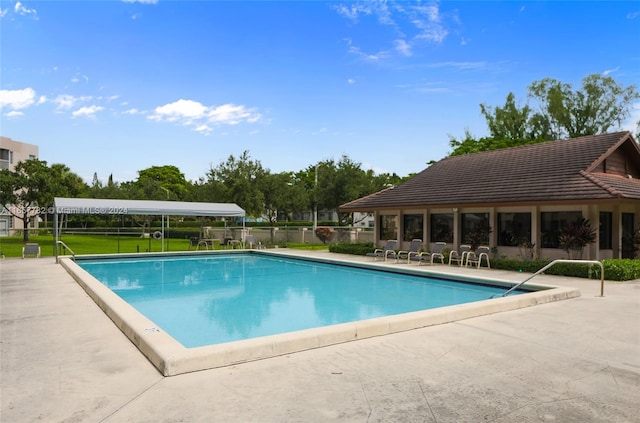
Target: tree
[
  {"x": 600, "y": 105},
  {"x": 282, "y": 193},
  {"x": 341, "y": 182},
  {"x": 511, "y": 125},
  {"x": 27, "y": 191},
  {"x": 238, "y": 181},
  {"x": 470, "y": 144},
  {"x": 168, "y": 178}
]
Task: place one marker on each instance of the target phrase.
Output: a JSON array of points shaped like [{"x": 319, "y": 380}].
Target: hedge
[
  {"x": 360, "y": 249},
  {"x": 614, "y": 269}
]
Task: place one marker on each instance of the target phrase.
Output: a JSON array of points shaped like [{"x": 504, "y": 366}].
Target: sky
[{"x": 113, "y": 87}]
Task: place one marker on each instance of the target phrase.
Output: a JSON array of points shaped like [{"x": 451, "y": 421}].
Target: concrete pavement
[{"x": 578, "y": 360}]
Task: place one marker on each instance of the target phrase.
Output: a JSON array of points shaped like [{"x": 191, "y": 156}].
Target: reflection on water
[{"x": 201, "y": 301}]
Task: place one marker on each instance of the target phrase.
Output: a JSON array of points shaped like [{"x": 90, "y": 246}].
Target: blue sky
[{"x": 115, "y": 87}]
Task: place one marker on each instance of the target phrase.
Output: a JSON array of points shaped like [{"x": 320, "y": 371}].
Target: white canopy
[{"x": 144, "y": 207}]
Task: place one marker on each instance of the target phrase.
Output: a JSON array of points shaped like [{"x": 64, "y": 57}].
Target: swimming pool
[
  {"x": 207, "y": 285},
  {"x": 210, "y": 300}
]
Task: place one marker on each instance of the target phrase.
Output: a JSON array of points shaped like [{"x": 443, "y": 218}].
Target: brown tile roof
[{"x": 545, "y": 172}]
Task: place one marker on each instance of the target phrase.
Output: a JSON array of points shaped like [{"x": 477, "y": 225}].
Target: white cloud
[
  {"x": 203, "y": 129},
  {"x": 180, "y": 110},
  {"x": 17, "y": 99},
  {"x": 66, "y": 101},
  {"x": 21, "y": 9},
  {"x": 133, "y": 111},
  {"x": 351, "y": 81},
  {"x": 3, "y": 12},
  {"x": 320, "y": 131},
  {"x": 203, "y": 118},
  {"x": 232, "y": 114},
  {"x": 403, "y": 48},
  {"x": 428, "y": 21},
  {"x": 610, "y": 71},
  {"x": 368, "y": 57},
  {"x": 88, "y": 112},
  {"x": 353, "y": 11},
  {"x": 413, "y": 24},
  {"x": 79, "y": 77},
  {"x": 633, "y": 15},
  {"x": 14, "y": 114}
]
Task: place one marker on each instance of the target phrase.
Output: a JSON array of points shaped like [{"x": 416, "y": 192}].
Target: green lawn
[
  {"x": 109, "y": 244},
  {"x": 93, "y": 244}
]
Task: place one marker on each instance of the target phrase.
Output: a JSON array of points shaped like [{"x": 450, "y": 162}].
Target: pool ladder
[
  {"x": 513, "y": 288},
  {"x": 73, "y": 255}
]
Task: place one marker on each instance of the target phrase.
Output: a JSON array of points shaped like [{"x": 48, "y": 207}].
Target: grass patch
[
  {"x": 308, "y": 247},
  {"x": 112, "y": 244},
  {"x": 93, "y": 244}
]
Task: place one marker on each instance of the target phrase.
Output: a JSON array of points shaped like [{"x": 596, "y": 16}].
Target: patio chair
[
  {"x": 250, "y": 242},
  {"x": 31, "y": 249},
  {"x": 414, "y": 250},
  {"x": 430, "y": 257},
  {"x": 459, "y": 257},
  {"x": 385, "y": 252},
  {"x": 475, "y": 257}
]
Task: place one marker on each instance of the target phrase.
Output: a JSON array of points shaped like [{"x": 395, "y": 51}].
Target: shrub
[
  {"x": 621, "y": 269},
  {"x": 323, "y": 233},
  {"x": 360, "y": 249},
  {"x": 614, "y": 269}
]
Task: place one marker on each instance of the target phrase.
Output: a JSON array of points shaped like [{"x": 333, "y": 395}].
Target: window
[
  {"x": 606, "y": 230},
  {"x": 388, "y": 227},
  {"x": 6, "y": 158},
  {"x": 475, "y": 228},
  {"x": 441, "y": 228},
  {"x": 413, "y": 226},
  {"x": 514, "y": 229},
  {"x": 552, "y": 224}
]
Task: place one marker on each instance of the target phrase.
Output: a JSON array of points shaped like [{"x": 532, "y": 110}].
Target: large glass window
[
  {"x": 475, "y": 229},
  {"x": 388, "y": 227},
  {"x": 514, "y": 229},
  {"x": 606, "y": 230},
  {"x": 441, "y": 228},
  {"x": 413, "y": 226},
  {"x": 552, "y": 224},
  {"x": 628, "y": 238}
]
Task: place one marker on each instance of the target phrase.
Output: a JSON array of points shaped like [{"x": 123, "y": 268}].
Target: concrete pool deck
[{"x": 62, "y": 359}]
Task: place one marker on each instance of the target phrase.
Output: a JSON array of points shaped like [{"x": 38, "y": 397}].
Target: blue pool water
[{"x": 222, "y": 298}]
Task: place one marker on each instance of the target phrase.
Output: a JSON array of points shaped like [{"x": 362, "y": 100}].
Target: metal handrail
[
  {"x": 513, "y": 288},
  {"x": 67, "y": 247}
]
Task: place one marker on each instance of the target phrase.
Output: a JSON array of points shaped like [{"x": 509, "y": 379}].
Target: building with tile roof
[{"x": 526, "y": 195}]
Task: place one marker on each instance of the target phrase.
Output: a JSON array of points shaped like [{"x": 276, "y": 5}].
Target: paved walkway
[{"x": 62, "y": 360}]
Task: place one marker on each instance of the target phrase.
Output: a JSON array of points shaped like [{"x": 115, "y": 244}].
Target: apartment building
[{"x": 11, "y": 153}]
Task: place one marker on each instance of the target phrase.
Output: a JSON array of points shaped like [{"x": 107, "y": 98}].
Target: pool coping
[{"x": 172, "y": 358}]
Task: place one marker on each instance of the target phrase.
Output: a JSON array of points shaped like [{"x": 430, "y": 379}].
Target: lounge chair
[
  {"x": 250, "y": 242},
  {"x": 430, "y": 257},
  {"x": 475, "y": 257},
  {"x": 459, "y": 257},
  {"x": 31, "y": 249},
  {"x": 414, "y": 250},
  {"x": 386, "y": 252}
]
